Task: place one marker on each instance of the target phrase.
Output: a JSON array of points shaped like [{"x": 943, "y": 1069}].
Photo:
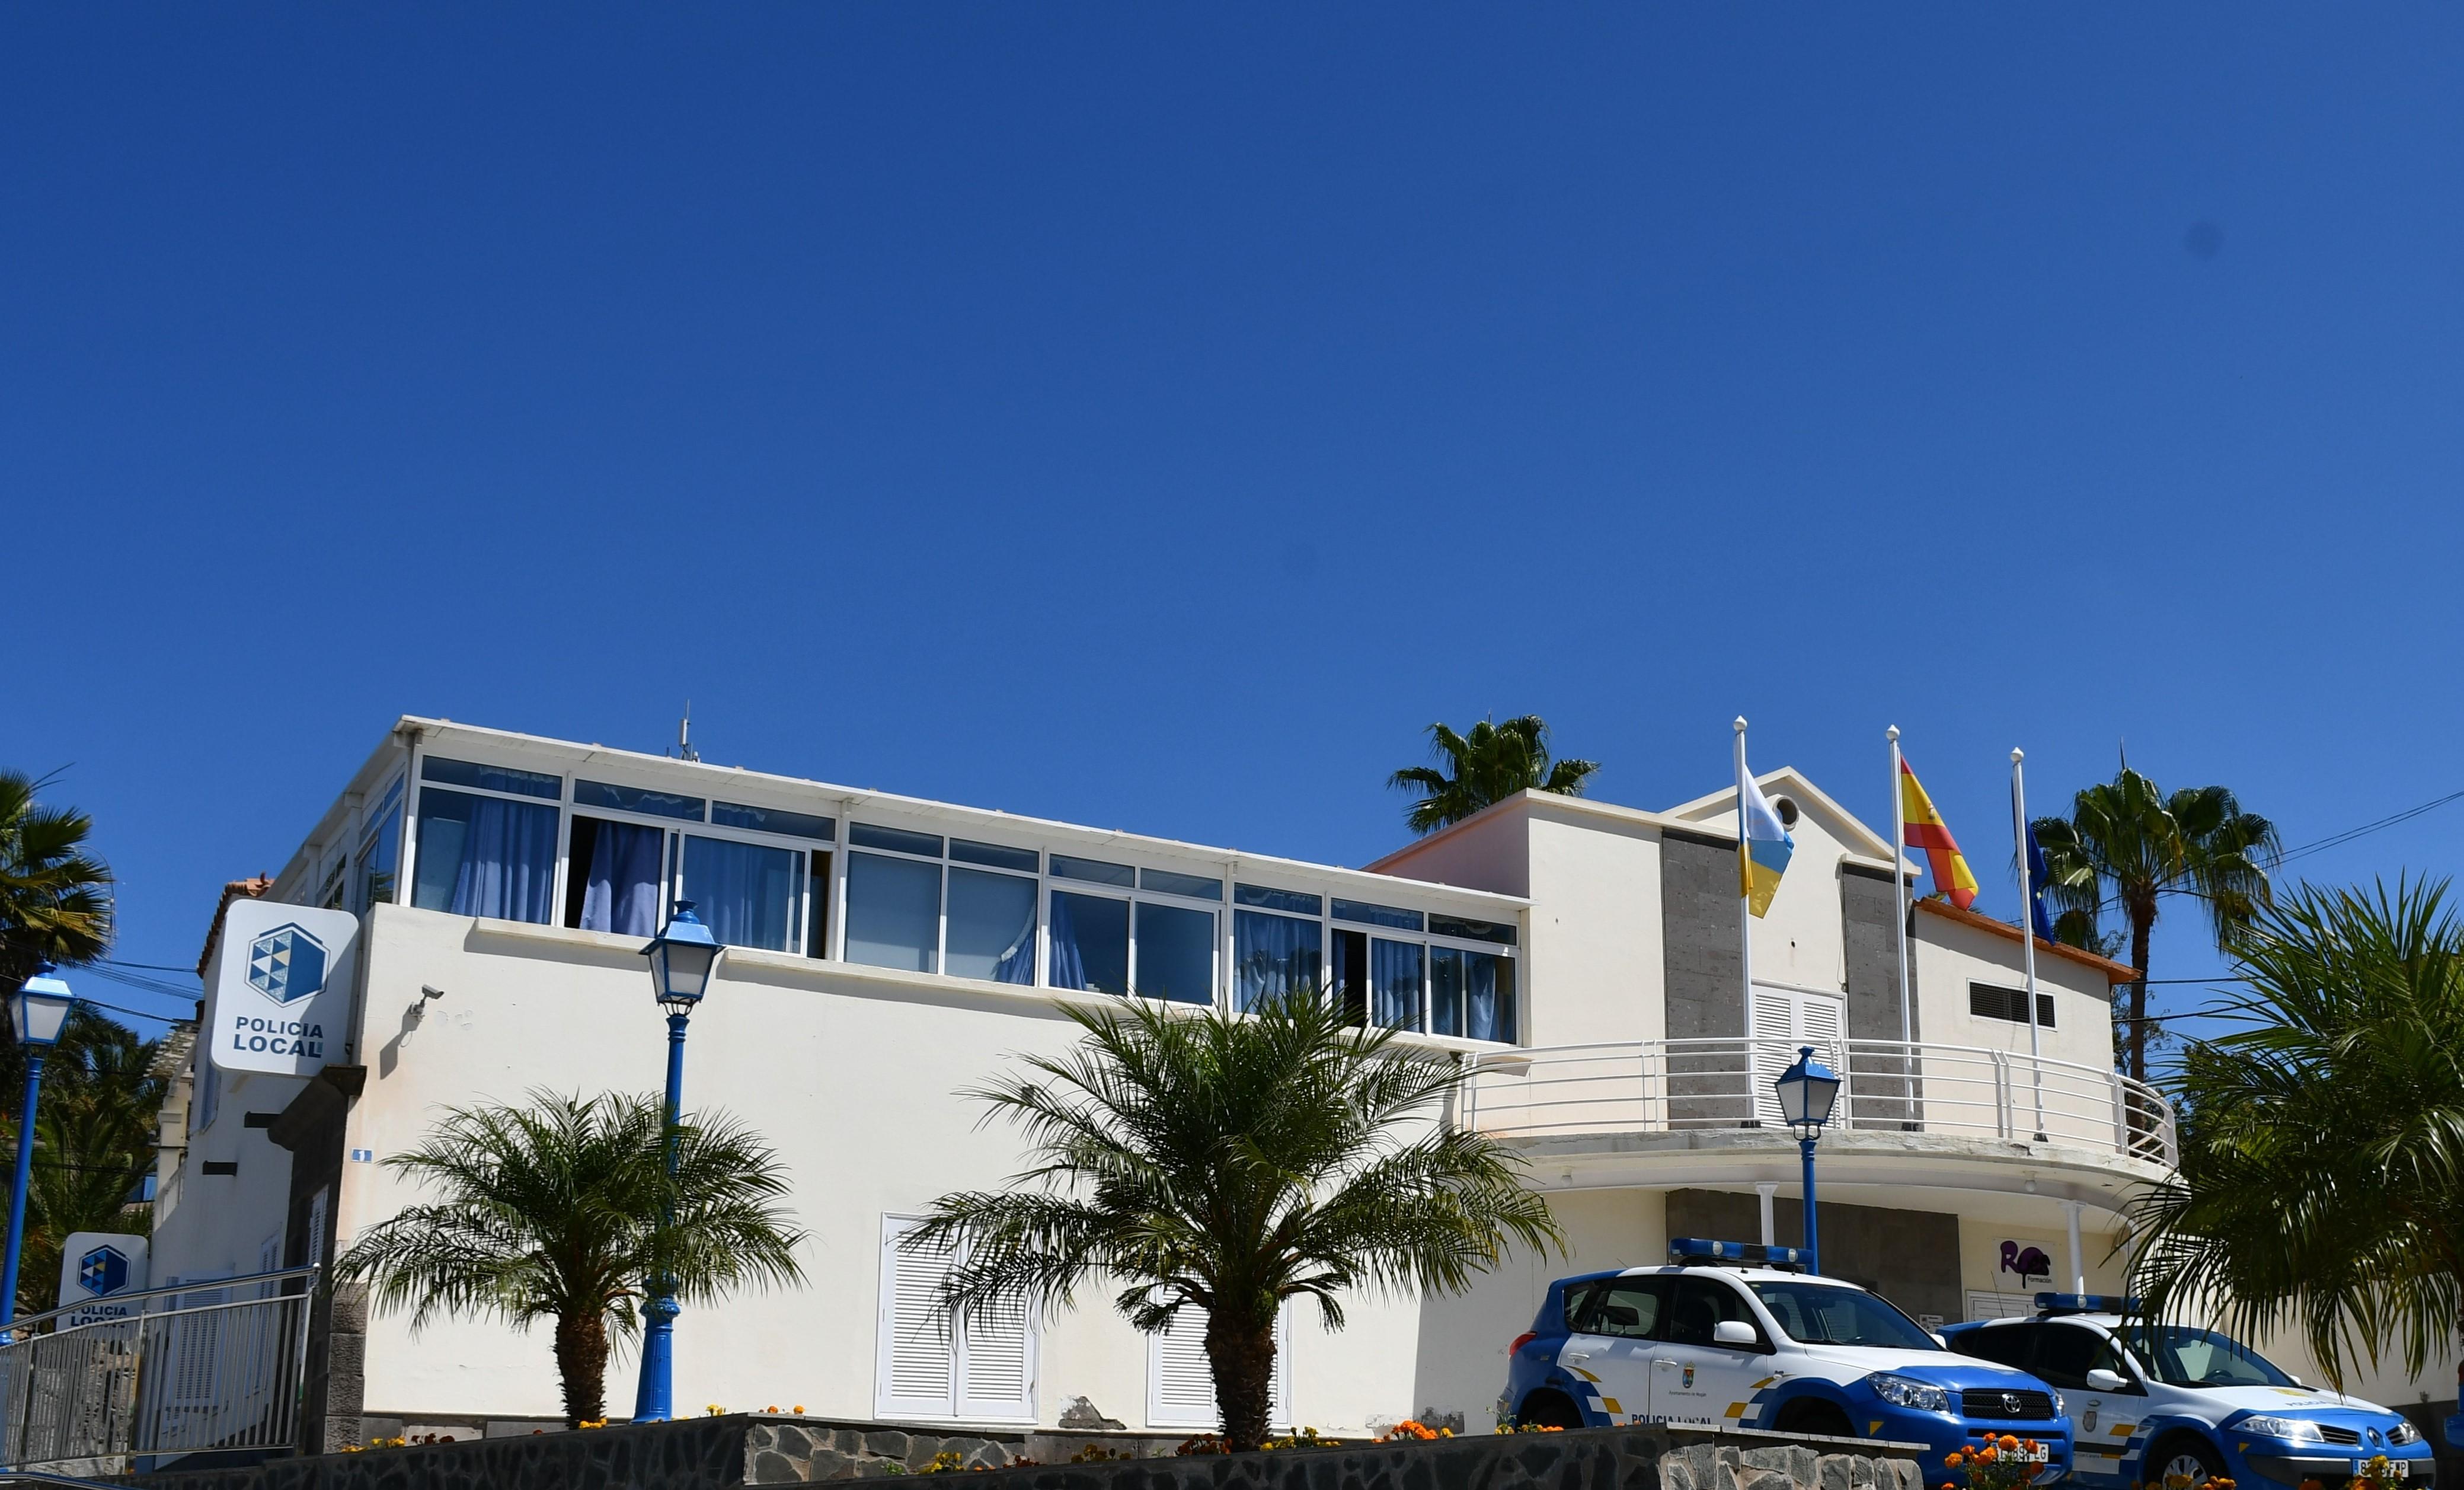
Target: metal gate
[{"x": 201, "y": 1365}]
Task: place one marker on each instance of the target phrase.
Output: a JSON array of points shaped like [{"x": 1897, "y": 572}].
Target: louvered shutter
[
  {"x": 916, "y": 1357},
  {"x": 1823, "y": 1024},
  {"x": 1775, "y": 1047},
  {"x": 1180, "y": 1379},
  {"x": 996, "y": 1366}
]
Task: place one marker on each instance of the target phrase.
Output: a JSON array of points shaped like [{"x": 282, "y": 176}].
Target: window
[
  {"x": 1471, "y": 995},
  {"x": 992, "y": 926},
  {"x": 748, "y": 893},
  {"x": 2065, "y": 1353},
  {"x": 485, "y": 855},
  {"x": 1987, "y": 1002},
  {"x": 928, "y": 1364},
  {"x": 491, "y": 778},
  {"x": 770, "y": 819},
  {"x": 1180, "y": 1383},
  {"x": 2003, "y": 1345},
  {"x": 1825, "y": 1314},
  {"x": 381, "y": 850},
  {"x": 1091, "y": 941},
  {"x": 612, "y": 876},
  {"x": 209, "y": 1099},
  {"x": 1702, "y": 1303},
  {"x": 1176, "y": 949},
  {"x": 634, "y": 799},
  {"x": 1629, "y": 1308},
  {"x": 893, "y": 910}
]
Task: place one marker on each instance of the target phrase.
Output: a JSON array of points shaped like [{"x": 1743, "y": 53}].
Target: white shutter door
[
  {"x": 1823, "y": 1024},
  {"x": 1775, "y": 1047},
  {"x": 915, "y": 1360},
  {"x": 996, "y": 1366},
  {"x": 1180, "y": 1379}
]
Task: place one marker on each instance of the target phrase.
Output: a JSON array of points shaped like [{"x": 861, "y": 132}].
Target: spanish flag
[
  {"x": 1927, "y": 830},
  {"x": 1763, "y": 846}
]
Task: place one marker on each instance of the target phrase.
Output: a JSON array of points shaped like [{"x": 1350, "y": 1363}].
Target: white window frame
[
  {"x": 414, "y": 797},
  {"x": 890, "y": 1406},
  {"x": 1328, "y": 924}
]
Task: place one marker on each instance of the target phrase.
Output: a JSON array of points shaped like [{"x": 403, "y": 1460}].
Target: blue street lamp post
[
  {"x": 40, "y": 1009},
  {"x": 1807, "y": 1090},
  {"x": 681, "y": 958}
]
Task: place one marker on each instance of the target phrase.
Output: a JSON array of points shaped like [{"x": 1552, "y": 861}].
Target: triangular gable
[{"x": 1719, "y": 809}]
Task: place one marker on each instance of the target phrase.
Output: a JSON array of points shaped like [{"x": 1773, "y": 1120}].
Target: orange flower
[
  {"x": 1953, "y": 1461},
  {"x": 1988, "y": 1454},
  {"x": 2010, "y": 1445}
]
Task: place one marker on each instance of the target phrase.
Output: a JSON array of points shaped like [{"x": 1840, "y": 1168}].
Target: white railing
[
  {"x": 212, "y": 1365},
  {"x": 1657, "y": 1086}
]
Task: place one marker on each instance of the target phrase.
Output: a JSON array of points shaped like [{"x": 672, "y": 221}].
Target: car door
[
  {"x": 2102, "y": 1421},
  {"x": 1694, "y": 1377},
  {"x": 1619, "y": 1323}
]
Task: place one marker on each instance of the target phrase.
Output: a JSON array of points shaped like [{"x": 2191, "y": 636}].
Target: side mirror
[
  {"x": 2299, "y": 1382},
  {"x": 2102, "y": 1380},
  {"x": 1733, "y": 1333},
  {"x": 1939, "y": 1339}
]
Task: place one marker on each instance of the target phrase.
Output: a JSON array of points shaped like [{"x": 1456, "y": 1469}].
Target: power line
[
  {"x": 2338, "y": 840},
  {"x": 149, "y": 966}
]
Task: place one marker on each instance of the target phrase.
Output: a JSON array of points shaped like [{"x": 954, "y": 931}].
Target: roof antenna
[
  {"x": 684, "y": 736},
  {"x": 2121, "y": 748}
]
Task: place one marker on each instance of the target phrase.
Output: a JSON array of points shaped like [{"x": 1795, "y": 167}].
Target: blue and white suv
[
  {"x": 1734, "y": 1333},
  {"x": 2153, "y": 1403}
]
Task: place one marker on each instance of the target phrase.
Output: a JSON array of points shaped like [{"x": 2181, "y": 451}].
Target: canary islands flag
[
  {"x": 1763, "y": 846},
  {"x": 1927, "y": 830}
]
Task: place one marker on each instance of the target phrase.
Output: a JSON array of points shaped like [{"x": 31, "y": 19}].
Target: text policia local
[{"x": 277, "y": 1036}]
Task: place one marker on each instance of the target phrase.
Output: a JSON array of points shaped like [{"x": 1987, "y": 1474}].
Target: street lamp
[
  {"x": 1807, "y": 1090},
  {"x": 40, "y": 1009},
  {"x": 681, "y": 958}
]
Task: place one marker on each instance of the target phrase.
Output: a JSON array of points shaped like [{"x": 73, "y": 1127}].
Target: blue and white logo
[
  {"x": 104, "y": 1271},
  {"x": 287, "y": 964}
]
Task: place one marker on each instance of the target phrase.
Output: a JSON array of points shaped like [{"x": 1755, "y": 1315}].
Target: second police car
[
  {"x": 2174, "y": 1402},
  {"x": 1734, "y": 1333}
]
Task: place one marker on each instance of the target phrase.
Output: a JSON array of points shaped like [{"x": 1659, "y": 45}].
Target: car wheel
[
  {"x": 1549, "y": 1409},
  {"x": 2188, "y": 1457},
  {"x": 1814, "y": 1415}
]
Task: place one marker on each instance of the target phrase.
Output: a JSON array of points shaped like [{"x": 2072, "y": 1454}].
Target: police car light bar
[
  {"x": 2086, "y": 1304},
  {"x": 1696, "y": 1249}
]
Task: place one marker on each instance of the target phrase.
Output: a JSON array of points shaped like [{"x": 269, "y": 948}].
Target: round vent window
[{"x": 1786, "y": 808}]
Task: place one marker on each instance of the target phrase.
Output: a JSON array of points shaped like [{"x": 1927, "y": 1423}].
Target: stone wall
[{"x": 728, "y": 1452}]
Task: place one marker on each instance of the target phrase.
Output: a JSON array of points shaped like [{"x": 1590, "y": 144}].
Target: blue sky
[{"x": 1154, "y": 416}]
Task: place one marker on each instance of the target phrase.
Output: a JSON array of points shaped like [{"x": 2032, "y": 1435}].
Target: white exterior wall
[
  {"x": 1596, "y": 947},
  {"x": 1948, "y": 956}
]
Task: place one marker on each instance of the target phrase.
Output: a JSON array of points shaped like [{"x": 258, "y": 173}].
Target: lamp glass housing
[
  {"x": 1807, "y": 1091},
  {"x": 40, "y": 1009},
  {"x": 681, "y": 957}
]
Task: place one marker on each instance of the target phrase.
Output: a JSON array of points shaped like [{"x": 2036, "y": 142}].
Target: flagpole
[
  {"x": 1899, "y": 885},
  {"x": 1745, "y": 914},
  {"x": 2027, "y": 925}
]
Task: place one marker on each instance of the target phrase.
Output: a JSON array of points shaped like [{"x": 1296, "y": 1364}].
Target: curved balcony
[{"x": 1711, "y": 1086}]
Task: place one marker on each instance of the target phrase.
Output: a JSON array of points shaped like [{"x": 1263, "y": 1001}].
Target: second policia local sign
[{"x": 281, "y": 986}]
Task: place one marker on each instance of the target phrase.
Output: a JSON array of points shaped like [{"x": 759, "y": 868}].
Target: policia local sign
[{"x": 281, "y": 986}]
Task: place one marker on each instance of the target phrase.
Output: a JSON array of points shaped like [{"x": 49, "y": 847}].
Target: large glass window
[
  {"x": 992, "y": 926},
  {"x": 634, "y": 799},
  {"x": 485, "y": 856},
  {"x": 381, "y": 852},
  {"x": 1091, "y": 942},
  {"x": 893, "y": 912},
  {"x": 1395, "y": 983},
  {"x": 1273, "y": 955},
  {"x": 491, "y": 778},
  {"x": 1471, "y": 995},
  {"x": 748, "y": 893},
  {"x": 612, "y": 876},
  {"x": 1176, "y": 953}
]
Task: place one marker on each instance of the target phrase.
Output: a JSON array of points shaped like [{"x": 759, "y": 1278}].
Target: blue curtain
[
  {"x": 1273, "y": 955},
  {"x": 1489, "y": 998},
  {"x": 1395, "y": 983},
  {"x": 745, "y": 893},
  {"x": 1445, "y": 990},
  {"x": 508, "y": 863},
  {"x": 622, "y": 893},
  {"x": 1068, "y": 969}
]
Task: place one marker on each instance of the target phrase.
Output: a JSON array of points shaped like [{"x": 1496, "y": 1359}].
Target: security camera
[{"x": 424, "y": 991}]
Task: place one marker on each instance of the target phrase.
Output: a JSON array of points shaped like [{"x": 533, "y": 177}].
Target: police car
[
  {"x": 2151, "y": 1403},
  {"x": 1734, "y": 1333}
]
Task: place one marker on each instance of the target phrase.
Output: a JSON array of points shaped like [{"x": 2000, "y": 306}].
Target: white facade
[{"x": 1573, "y": 950}]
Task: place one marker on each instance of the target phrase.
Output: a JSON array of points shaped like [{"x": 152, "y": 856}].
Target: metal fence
[
  {"x": 1887, "y": 1085},
  {"x": 211, "y": 1365}
]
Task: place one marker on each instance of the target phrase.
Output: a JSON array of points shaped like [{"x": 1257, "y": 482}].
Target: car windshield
[
  {"x": 1825, "y": 1314},
  {"x": 2181, "y": 1356}
]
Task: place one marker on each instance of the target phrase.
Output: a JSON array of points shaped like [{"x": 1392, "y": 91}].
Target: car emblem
[
  {"x": 2375, "y": 1439},
  {"x": 1689, "y": 1377},
  {"x": 2089, "y": 1422},
  {"x": 2011, "y": 1402}
]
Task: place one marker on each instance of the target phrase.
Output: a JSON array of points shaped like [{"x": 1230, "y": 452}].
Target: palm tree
[
  {"x": 1226, "y": 1163},
  {"x": 54, "y": 898},
  {"x": 2126, "y": 844},
  {"x": 2321, "y": 1183},
  {"x": 1489, "y": 765},
  {"x": 552, "y": 1211},
  {"x": 94, "y": 1143}
]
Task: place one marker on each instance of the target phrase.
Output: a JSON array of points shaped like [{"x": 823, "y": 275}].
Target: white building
[{"x": 886, "y": 951}]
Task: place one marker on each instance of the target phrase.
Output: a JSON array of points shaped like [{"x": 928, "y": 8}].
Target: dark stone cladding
[
  {"x": 727, "y": 1453},
  {"x": 1887, "y": 1086},
  {"x": 1700, "y": 970}
]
